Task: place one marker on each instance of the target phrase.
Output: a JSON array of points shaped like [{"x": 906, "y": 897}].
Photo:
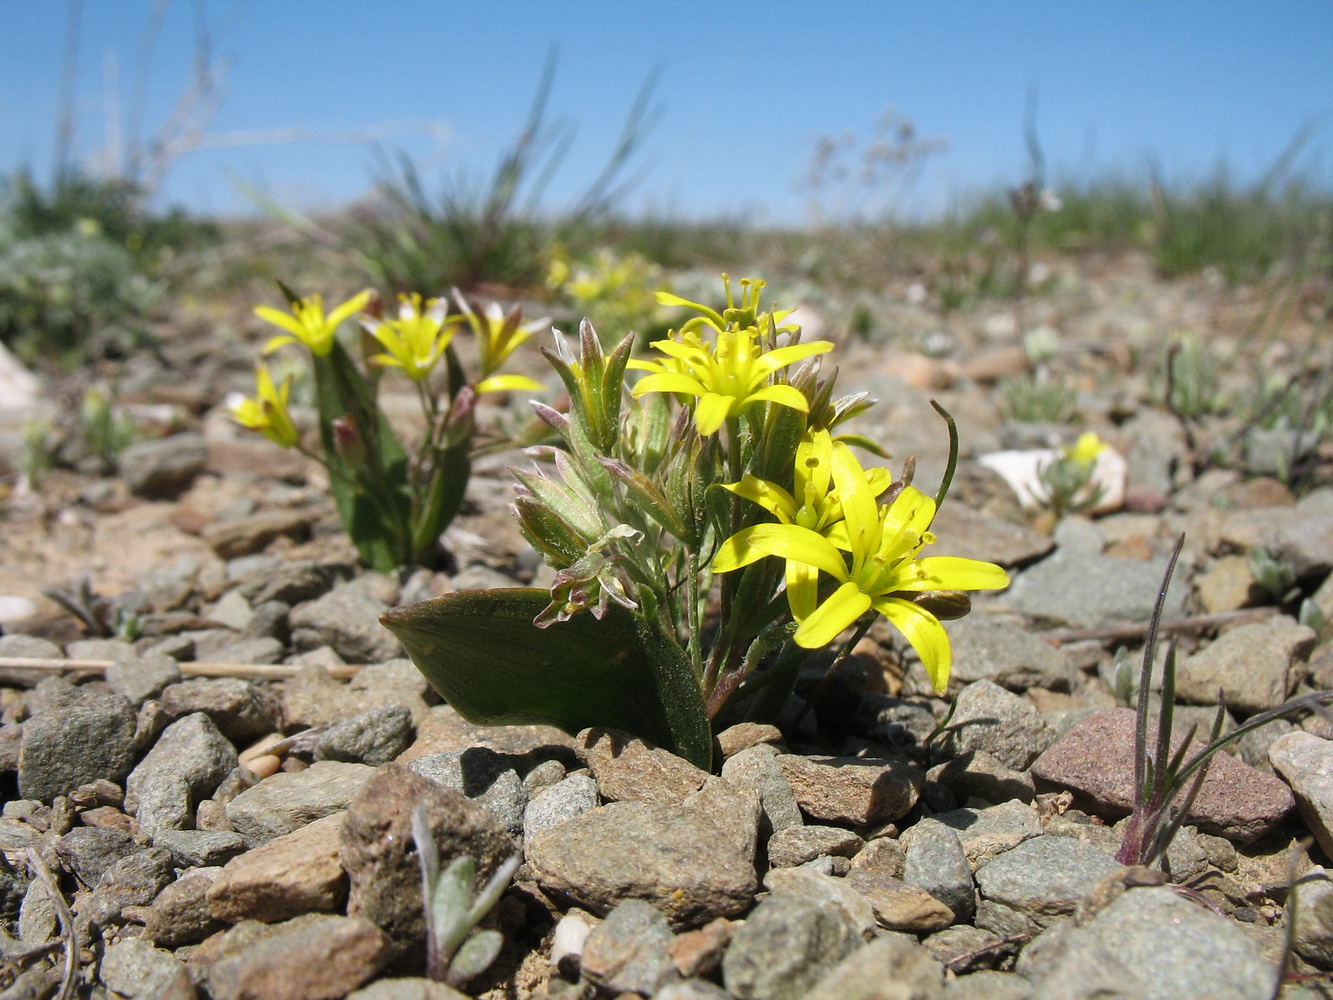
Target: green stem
[{"x": 692, "y": 612}]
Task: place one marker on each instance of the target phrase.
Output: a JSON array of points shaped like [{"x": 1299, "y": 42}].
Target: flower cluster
[
  {"x": 727, "y": 463},
  {"x": 394, "y": 507}
]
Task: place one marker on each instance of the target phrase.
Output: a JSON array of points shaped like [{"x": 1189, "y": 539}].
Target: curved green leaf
[{"x": 481, "y": 652}]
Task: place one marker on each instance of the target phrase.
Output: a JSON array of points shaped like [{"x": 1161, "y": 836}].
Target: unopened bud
[
  {"x": 347, "y": 440},
  {"x": 946, "y": 605}
]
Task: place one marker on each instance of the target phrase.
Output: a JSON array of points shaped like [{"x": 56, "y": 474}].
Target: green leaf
[
  {"x": 474, "y": 956},
  {"x": 480, "y": 650}
]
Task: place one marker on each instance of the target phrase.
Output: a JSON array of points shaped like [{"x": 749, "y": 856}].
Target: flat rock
[
  {"x": 200, "y": 848},
  {"x": 974, "y": 534},
  {"x": 72, "y": 744},
  {"x": 1305, "y": 762},
  {"x": 1151, "y": 943},
  {"x": 644, "y": 850},
  {"x": 241, "y": 710},
  {"x": 242, "y": 536},
  {"x": 899, "y": 905},
  {"x": 629, "y": 769},
  {"x": 892, "y": 967},
  {"x": 987, "y": 717},
  {"x": 373, "y": 737},
  {"x": 444, "y": 729},
  {"x": 163, "y": 468},
  {"x": 1095, "y": 761},
  {"x": 796, "y": 845},
  {"x": 1045, "y": 875},
  {"x": 858, "y": 791},
  {"x": 346, "y": 618},
  {"x": 138, "y": 678},
  {"x": 313, "y": 698},
  {"x": 784, "y": 947},
  {"x": 1255, "y": 666},
  {"x": 186, "y": 764},
  {"x": 1012, "y": 657},
  {"x": 289, "y": 800},
  {"x": 299, "y": 872},
  {"x": 319, "y": 959},
  {"x": 976, "y": 774},
  {"x": 1082, "y": 589}
]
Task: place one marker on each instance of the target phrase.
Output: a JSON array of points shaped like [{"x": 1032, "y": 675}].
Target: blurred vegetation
[{"x": 83, "y": 264}]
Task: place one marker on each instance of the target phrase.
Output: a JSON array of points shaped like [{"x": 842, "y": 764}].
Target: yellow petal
[
  {"x": 802, "y": 589},
  {"x": 285, "y": 320},
  {"x": 711, "y": 412},
  {"x": 784, "y": 395},
  {"x": 858, "y": 503},
  {"x": 952, "y": 573},
  {"x": 840, "y": 610},
  {"x": 353, "y": 305},
  {"x": 668, "y": 382},
  {"x": 276, "y": 342},
  {"x": 497, "y": 383},
  {"x": 786, "y": 541},
  {"x": 771, "y": 361},
  {"x": 927, "y": 636},
  {"x": 772, "y": 497}
]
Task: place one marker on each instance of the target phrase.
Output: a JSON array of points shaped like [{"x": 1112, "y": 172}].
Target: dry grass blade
[
  {"x": 68, "y": 932},
  {"x": 254, "y": 671}
]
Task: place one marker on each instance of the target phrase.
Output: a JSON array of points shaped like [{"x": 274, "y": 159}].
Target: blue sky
[{"x": 745, "y": 90}]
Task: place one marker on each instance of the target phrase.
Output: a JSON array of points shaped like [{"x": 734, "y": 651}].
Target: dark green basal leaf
[{"x": 481, "y": 652}]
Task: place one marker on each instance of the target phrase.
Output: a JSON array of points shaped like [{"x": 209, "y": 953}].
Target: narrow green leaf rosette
[{"x": 481, "y": 651}]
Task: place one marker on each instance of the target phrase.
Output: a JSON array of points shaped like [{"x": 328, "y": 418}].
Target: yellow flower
[
  {"x": 307, "y": 323},
  {"x": 727, "y": 376},
  {"x": 879, "y": 565},
  {"x": 1086, "y": 449},
  {"x": 814, "y": 505},
  {"x": 498, "y": 333},
  {"x": 267, "y": 412},
  {"x": 416, "y": 340}
]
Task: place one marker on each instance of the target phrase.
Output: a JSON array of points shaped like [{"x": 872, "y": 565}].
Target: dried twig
[
  {"x": 1137, "y": 630},
  {"x": 69, "y": 933},
  {"x": 258, "y": 671}
]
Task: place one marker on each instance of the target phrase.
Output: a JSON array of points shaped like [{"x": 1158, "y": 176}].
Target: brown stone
[
  {"x": 299, "y": 872},
  {"x": 628, "y": 769},
  {"x": 321, "y": 960},
  {"x": 699, "y": 953},
  {"x": 1095, "y": 761},
  {"x": 898, "y": 905},
  {"x": 247, "y": 535},
  {"x": 444, "y": 729},
  {"x": 380, "y": 856},
  {"x": 744, "y": 735},
  {"x": 857, "y": 791}
]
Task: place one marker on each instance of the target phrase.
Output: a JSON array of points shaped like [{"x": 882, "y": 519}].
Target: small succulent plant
[{"x": 456, "y": 950}]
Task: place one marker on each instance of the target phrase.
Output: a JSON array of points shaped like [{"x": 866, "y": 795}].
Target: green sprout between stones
[
  {"x": 708, "y": 526},
  {"x": 394, "y": 503},
  {"x": 1165, "y": 783},
  {"x": 456, "y": 951}
]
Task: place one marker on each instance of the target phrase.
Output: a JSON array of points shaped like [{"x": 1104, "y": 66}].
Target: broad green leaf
[{"x": 480, "y": 650}]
